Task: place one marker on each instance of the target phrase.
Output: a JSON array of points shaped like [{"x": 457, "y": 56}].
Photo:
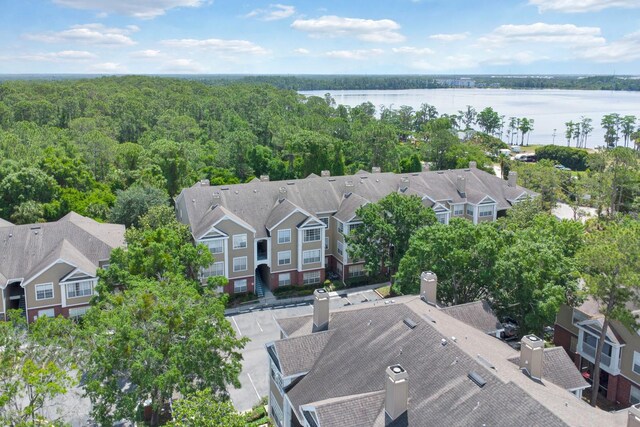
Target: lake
[{"x": 550, "y": 108}]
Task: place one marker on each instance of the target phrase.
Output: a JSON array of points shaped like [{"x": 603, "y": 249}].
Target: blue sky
[{"x": 320, "y": 37}]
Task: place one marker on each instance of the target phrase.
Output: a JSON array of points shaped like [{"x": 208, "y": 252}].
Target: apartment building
[
  {"x": 277, "y": 233},
  {"x": 409, "y": 362},
  {"x": 49, "y": 269},
  {"x": 578, "y": 331}
]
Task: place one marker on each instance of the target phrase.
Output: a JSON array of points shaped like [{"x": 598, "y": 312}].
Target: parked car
[
  {"x": 515, "y": 149},
  {"x": 562, "y": 167}
]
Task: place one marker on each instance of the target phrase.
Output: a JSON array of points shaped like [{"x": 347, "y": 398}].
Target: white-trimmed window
[
  {"x": 284, "y": 257},
  {"x": 326, "y": 243},
  {"x": 458, "y": 210},
  {"x": 340, "y": 248},
  {"x": 634, "y": 395},
  {"x": 340, "y": 227},
  {"x": 311, "y": 235},
  {"x": 239, "y": 241},
  {"x": 240, "y": 286},
  {"x": 636, "y": 362},
  {"x": 485, "y": 211},
  {"x": 311, "y": 257},
  {"x": 284, "y": 236},
  {"x": 442, "y": 218},
  {"x": 311, "y": 278},
  {"x": 44, "y": 291},
  {"x": 82, "y": 288},
  {"x": 216, "y": 246},
  {"x": 240, "y": 263},
  {"x": 217, "y": 268},
  {"x": 47, "y": 312},
  {"x": 356, "y": 271},
  {"x": 354, "y": 227},
  {"x": 325, "y": 220},
  {"x": 470, "y": 210},
  {"x": 284, "y": 279},
  {"x": 77, "y": 312}
]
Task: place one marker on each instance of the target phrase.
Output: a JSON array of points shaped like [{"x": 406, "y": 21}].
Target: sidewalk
[{"x": 270, "y": 301}]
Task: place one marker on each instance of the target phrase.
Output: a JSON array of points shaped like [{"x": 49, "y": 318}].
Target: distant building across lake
[{"x": 463, "y": 82}]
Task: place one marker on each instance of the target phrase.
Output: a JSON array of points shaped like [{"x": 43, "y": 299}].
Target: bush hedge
[{"x": 573, "y": 158}]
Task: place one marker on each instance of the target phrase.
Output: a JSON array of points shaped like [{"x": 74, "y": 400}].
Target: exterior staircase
[
  {"x": 259, "y": 286},
  {"x": 22, "y": 306}
]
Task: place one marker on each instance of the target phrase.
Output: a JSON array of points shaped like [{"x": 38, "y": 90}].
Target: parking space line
[
  {"x": 254, "y": 386},
  {"x": 237, "y": 327},
  {"x": 259, "y": 325}
]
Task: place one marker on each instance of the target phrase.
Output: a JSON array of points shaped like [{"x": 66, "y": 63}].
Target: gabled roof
[
  {"x": 558, "y": 368},
  {"x": 216, "y": 214},
  {"x": 4, "y": 223},
  {"x": 79, "y": 241},
  {"x": 477, "y": 314},
  {"x": 347, "y": 378},
  {"x": 282, "y": 210},
  {"x": 594, "y": 326},
  {"x": 298, "y": 355},
  {"x": 254, "y": 201},
  {"x": 350, "y": 204},
  {"x": 66, "y": 253}
]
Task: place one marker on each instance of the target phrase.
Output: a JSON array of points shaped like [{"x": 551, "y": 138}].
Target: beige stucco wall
[
  {"x": 335, "y": 237},
  {"x": 231, "y": 228},
  {"x": 564, "y": 318},
  {"x": 290, "y": 223},
  {"x": 632, "y": 344}
]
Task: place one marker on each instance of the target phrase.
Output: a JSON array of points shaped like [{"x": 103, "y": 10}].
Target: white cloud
[
  {"x": 451, "y": 37},
  {"x": 446, "y": 63},
  {"x": 229, "y": 47},
  {"x": 512, "y": 58},
  {"x": 301, "y": 51},
  {"x": 107, "y": 68},
  {"x": 579, "y": 6},
  {"x": 147, "y": 54},
  {"x": 65, "y": 55},
  {"x": 96, "y": 34},
  {"x": 143, "y": 9},
  {"x": 182, "y": 65},
  {"x": 410, "y": 50},
  {"x": 369, "y": 30},
  {"x": 273, "y": 13},
  {"x": 358, "y": 54},
  {"x": 566, "y": 35},
  {"x": 625, "y": 49}
]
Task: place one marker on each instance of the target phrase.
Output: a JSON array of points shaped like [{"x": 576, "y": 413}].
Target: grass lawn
[{"x": 384, "y": 291}]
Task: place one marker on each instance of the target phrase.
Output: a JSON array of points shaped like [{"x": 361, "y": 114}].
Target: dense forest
[
  {"x": 104, "y": 146},
  {"x": 397, "y": 82}
]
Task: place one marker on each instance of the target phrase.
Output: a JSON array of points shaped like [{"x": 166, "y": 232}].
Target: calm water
[{"x": 550, "y": 108}]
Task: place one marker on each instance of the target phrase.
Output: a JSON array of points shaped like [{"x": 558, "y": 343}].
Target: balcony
[
  {"x": 262, "y": 250},
  {"x": 262, "y": 255},
  {"x": 591, "y": 352}
]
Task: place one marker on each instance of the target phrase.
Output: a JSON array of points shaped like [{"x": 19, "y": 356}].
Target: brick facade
[{"x": 562, "y": 338}]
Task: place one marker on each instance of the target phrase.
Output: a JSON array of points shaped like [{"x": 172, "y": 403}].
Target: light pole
[{"x": 553, "y": 141}]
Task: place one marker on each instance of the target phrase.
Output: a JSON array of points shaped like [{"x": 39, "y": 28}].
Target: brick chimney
[
  {"x": 512, "y": 180},
  {"x": 320, "y": 310},
  {"x": 428, "y": 286},
  {"x": 325, "y": 173},
  {"x": 375, "y": 169},
  {"x": 633, "y": 419},
  {"x": 531, "y": 355},
  {"x": 396, "y": 399},
  {"x": 473, "y": 164},
  {"x": 264, "y": 178},
  {"x": 461, "y": 185}
]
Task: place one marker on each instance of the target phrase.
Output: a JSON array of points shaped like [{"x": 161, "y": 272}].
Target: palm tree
[
  {"x": 568, "y": 133},
  {"x": 526, "y": 126},
  {"x": 627, "y": 125},
  {"x": 585, "y": 128}
]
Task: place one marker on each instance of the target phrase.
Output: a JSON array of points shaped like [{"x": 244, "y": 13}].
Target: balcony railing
[
  {"x": 262, "y": 255},
  {"x": 591, "y": 352}
]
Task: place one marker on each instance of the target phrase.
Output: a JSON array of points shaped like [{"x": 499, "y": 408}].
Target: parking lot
[{"x": 258, "y": 324}]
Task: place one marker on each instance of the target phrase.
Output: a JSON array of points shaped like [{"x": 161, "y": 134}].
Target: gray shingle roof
[
  {"x": 477, "y": 314},
  {"x": 254, "y": 201},
  {"x": 367, "y": 340},
  {"x": 280, "y": 212},
  {"x": 350, "y": 204},
  {"x": 26, "y": 249},
  {"x": 4, "y": 223},
  {"x": 298, "y": 355},
  {"x": 558, "y": 368}
]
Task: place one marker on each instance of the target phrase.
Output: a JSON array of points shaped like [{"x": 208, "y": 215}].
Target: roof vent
[
  {"x": 290, "y": 183},
  {"x": 404, "y": 178},
  {"x": 332, "y": 179},
  {"x": 410, "y": 323},
  {"x": 216, "y": 194},
  {"x": 348, "y": 183},
  {"x": 283, "y": 190},
  {"x": 224, "y": 188},
  {"x": 476, "y": 378}
]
